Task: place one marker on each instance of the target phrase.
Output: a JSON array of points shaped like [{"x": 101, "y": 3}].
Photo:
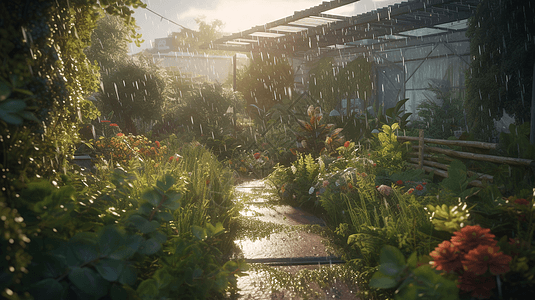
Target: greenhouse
[{"x": 241, "y": 149}]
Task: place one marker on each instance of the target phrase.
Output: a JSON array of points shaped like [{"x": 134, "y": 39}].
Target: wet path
[{"x": 289, "y": 246}]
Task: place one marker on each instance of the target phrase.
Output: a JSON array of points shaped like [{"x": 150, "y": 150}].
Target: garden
[{"x": 152, "y": 212}]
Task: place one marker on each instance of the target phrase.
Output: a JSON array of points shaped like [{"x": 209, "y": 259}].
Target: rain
[{"x": 248, "y": 149}]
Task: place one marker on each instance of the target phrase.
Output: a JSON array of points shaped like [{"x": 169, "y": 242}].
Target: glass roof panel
[
  {"x": 266, "y": 34},
  {"x": 288, "y": 28},
  {"x": 457, "y": 25},
  {"x": 423, "y": 31}
]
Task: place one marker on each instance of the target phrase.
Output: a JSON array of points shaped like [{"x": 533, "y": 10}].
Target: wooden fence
[{"x": 426, "y": 161}]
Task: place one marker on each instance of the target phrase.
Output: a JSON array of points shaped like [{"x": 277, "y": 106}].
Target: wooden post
[{"x": 421, "y": 149}]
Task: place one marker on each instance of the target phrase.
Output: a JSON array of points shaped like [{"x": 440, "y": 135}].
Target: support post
[
  {"x": 532, "y": 125},
  {"x": 421, "y": 149},
  {"x": 234, "y": 72}
]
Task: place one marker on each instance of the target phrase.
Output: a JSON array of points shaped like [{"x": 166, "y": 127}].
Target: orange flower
[
  {"x": 346, "y": 144},
  {"x": 113, "y": 124},
  {"x": 484, "y": 258},
  {"x": 256, "y": 155},
  {"x": 105, "y": 121},
  {"x": 522, "y": 202},
  {"x": 470, "y": 237},
  {"x": 480, "y": 286},
  {"x": 399, "y": 182},
  {"x": 410, "y": 191},
  {"x": 349, "y": 185},
  {"x": 419, "y": 187},
  {"x": 120, "y": 134},
  {"x": 446, "y": 257},
  {"x": 363, "y": 174},
  {"x": 157, "y": 144}
]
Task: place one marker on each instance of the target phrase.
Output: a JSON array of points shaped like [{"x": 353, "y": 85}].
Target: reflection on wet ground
[{"x": 280, "y": 260}]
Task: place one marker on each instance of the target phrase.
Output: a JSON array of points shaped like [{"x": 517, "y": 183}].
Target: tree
[
  {"x": 331, "y": 84},
  {"x": 265, "y": 82},
  {"x": 131, "y": 88},
  {"x": 501, "y": 71},
  {"x": 188, "y": 40}
]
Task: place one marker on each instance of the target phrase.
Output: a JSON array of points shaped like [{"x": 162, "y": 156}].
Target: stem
[{"x": 157, "y": 207}]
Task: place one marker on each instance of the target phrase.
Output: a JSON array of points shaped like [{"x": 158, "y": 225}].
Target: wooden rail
[{"x": 428, "y": 163}]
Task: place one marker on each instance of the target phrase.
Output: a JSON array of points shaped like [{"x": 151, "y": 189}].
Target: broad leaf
[
  {"x": 149, "y": 247},
  {"x": 382, "y": 281},
  {"x": 89, "y": 281},
  {"x": 47, "y": 289},
  {"x": 110, "y": 269}
]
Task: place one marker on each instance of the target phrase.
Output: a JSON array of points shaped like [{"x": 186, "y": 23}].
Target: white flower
[{"x": 311, "y": 190}]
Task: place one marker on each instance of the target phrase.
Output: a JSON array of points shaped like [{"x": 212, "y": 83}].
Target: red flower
[
  {"x": 120, "y": 134},
  {"x": 105, "y": 121},
  {"x": 349, "y": 185},
  {"x": 346, "y": 144},
  {"x": 363, "y": 174},
  {"x": 424, "y": 183},
  {"x": 522, "y": 202},
  {"x": 480, "y": 286},
  {"x": 375, "y": 165},
  {"x": 419, "y": 187},
  {"x": 410, "y": 191},
  {"x": 207, "y": 181},
  {"x": 470, "y": 237},
  {"x": 113, "y": 124},
  {"x": 171, "y": 158},
  {"x": 483, "y": 257},
  {"x": 446, "y": 257},
  {"x": 399, "y": 182},
  {"x": 256, "y": 155},
  {"x": 157, "y": 144}
]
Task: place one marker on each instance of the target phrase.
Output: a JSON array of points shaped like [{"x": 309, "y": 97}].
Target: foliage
[
  {"x": 458, "y": 180},
  {"x": 265, "y": 82},
  {"x": 121, "y": 149},
  {"x": 448, "y": 218},
  {"x": 203, "y": 113},
  {"x": 332, "y": 84},
  {"x": 412, "y": 279},
  {"x": 389, "y": 152},
  {"x": 500, "y": 75},
  {"x": 440, "y": 117},
  {"x": 314, "y": 138},
  {"x": 189, "y": 41},
  {"x": 43, "y": 64}
]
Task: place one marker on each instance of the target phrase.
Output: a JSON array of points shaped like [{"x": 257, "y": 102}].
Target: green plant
[
  {"x": 314, "y": 138},
  {"x": 411, "y": 278},
  {"x": 389, "y": 152},
  {"x": 458, "y": 180}
]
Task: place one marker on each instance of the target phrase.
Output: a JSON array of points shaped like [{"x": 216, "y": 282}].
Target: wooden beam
[
  {"x": 473, "y": 144},
  {"x": 484, "y": 157}
]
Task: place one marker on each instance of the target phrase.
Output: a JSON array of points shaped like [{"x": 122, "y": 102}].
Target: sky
[{"x": 237, "y": 15}]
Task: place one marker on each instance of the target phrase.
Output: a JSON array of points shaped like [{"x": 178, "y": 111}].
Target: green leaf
[
  {"x": 47, "y": 289},
  {"x": 10, "y": 118},
  {"x": 198, "y": 232},
  {"x": 117, "y": 292},
  {"x": 165, "y": 216},
  {"x": 110, "y": 239},
  {"x": 149, "y": 247},
  {"x": 5, "y": 90},
  {"x": 89, "y": 281},
  {"x": 110, "y": 269},
  {"x": 143, "y": 225},
  {"x": 128, "y": 276},
  {"x": 84, "y": 252},
  {"x": 53, "y": 265},
  {"x": 148, "y": 288},
  {"x": 382, "y": 281},
  {"x": 166, "y": 183},
  {"x": 153, "y": 197},
  {"x": 159, "y": 236},
  {"x": 128, "y": 249},
  {"x": 390, "y": 269},
  {"x": 413, "y": 260},
  {"x": 392, "y": 255},
  {"x": 163, "y": 278},
  {"x": 173, "y": 200},
  {"x": 12, "y": 106}
]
